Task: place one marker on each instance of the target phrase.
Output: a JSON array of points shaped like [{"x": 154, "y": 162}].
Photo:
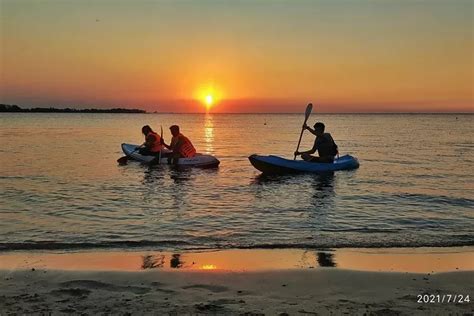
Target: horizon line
[{"x": 148, "y": 111}]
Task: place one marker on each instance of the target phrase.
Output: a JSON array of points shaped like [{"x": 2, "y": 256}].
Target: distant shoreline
[
  {"x": 16, "y": 109},
  {"x": 6, "y": 108}
]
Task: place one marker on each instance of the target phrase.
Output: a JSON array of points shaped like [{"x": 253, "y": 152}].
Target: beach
[{"x": 203, "y": 288}]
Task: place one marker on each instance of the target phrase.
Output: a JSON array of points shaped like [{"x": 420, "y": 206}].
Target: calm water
[{"x": 60, "y": 185}]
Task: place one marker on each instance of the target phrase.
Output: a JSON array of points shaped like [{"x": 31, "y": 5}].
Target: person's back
[
  {"x": 180, "y": 144},
  {"x": 326, "y": 145},
  {"x": 152, "y": 144},
  {"x": 183, "y": 145}
]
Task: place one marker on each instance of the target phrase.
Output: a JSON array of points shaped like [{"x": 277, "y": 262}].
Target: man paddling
[
  {"x": 324, "y": 144},
  {"x": 180, "y": 145},
  {"x": 153, "y": 144}
]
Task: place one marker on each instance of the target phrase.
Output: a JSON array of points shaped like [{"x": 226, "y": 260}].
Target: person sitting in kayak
[
  {"x": 180, "y": 145},
  {"x": 152, "y": 145},
  {"x": 324, "y": 144}
]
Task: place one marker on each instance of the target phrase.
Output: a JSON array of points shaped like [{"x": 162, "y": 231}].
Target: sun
[
  {"x": 208, "y": 96},
  {"x": 209, "y": 100}
]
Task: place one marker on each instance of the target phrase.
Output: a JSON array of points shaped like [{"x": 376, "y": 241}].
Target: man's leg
[
  {"x": 174, "y": 158},
  {"x": 308, "y": 157},
  {"x": 325, "y": 159}
]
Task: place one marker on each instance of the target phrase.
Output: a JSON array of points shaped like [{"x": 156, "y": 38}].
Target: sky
[{"x": 244, "y": 56}]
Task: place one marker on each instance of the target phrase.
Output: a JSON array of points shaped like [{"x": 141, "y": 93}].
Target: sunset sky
[{"x": 249, "y": 56}]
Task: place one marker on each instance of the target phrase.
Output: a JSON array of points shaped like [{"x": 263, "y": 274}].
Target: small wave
[
  {"x": 23, "y": 178},
  {"x": 51, "y": 245},
  {"x": 463, "y": 240},
  {"x": 361, "y": 245},
  {"x": 437, "y": 199},
  {"x": 361, "y": 230}
]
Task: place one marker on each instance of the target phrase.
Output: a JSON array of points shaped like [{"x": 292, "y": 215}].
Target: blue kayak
[{"x": 277, "y": 165}]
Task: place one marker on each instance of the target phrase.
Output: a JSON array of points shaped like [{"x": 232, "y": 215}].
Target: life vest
[
  {"x": 156, "y": 146},
  {"x": 326, "y": 145},
  {"x": 186, "y": 149}
]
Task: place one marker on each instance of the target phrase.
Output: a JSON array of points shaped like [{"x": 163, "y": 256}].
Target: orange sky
[{"x": 255, "y": 56}]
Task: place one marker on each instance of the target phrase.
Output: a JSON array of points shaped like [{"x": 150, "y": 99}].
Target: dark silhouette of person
[{"x": 324, "y": 144}]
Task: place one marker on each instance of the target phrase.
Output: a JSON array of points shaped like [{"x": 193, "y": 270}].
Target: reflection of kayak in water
[
  {"x": 200, "y": 160},
  {"x": 277, "y": 165}
]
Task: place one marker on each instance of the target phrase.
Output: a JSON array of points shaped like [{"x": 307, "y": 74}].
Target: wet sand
[{"x": 38, "y": 286}]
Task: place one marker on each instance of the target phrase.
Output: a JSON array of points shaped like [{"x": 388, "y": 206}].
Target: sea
[{"x": 62, "y": 189}]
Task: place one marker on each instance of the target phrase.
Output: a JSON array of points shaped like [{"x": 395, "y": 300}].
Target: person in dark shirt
[{"x": 324, "y": 144}]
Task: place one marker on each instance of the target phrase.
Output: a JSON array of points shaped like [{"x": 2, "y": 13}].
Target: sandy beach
[
  {"x": 321, "y": 292},
  {"x": 209, "y": 290}
]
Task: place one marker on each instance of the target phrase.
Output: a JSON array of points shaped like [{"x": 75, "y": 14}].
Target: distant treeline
[{"x": 16, "y": 108}]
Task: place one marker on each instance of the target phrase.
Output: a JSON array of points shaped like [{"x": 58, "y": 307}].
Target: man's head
[
  {"x": 174, "y": 130},
  {"x": 319, "y": 128},
  {"x": 146, "y": 129}
]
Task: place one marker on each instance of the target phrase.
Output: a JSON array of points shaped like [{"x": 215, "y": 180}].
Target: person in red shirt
[
  {"x": 153, "y": 143},
  {"x": 180, "y": 145}
]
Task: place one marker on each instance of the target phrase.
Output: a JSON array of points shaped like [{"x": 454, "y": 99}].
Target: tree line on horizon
[{"x": 16, "y": 108}]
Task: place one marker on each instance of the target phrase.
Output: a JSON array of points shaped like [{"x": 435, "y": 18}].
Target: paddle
[
  {"x": 123, "y": 160},
  {"x": 157, "y": 160},
  {"x": 309, "y": 108},
  {"x": 161, "y": 137}
]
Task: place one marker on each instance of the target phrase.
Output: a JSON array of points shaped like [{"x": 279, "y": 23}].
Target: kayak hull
[
  {"x": 199, "y": 161},
  {"x": 278, "y": 165}
]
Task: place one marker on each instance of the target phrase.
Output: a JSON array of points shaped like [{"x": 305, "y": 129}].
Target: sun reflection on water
[
  {"x": 208, "y": 267},
  {"x": 209, "y": 133}
]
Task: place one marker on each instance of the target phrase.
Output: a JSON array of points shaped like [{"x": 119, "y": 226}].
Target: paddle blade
[
  {"x": 309, "y": 108},
  {"x": 307, "y": 113},
  {"x": 122, "y": 160}
]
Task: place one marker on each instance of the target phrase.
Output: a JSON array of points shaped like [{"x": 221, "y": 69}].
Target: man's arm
[
  {"x": 162, "y": 141},
  {"x": 312, "y": 131},
  {"x": 177, "y": 145},
  {"x": 311, "y": 151}
]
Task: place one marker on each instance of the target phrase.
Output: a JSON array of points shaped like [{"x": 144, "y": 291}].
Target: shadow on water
[
  {"x": 153, "y": 261},
  {"x": 152, "y": 176},
  {"x": 176, "y": 261},
  {"x": 180, "y": 175},
  {"x": 320, "y": 181},
  {"x": 158, "y": 174},
  {"x": 263, "y": 179},
  {"x": 320, "y": 186},
  {"x": 158, "y": 261},
  {"x": 323, "y": 191},
  {"x": 165, "y": 187},
  {"x": 325, "y": 259}
]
